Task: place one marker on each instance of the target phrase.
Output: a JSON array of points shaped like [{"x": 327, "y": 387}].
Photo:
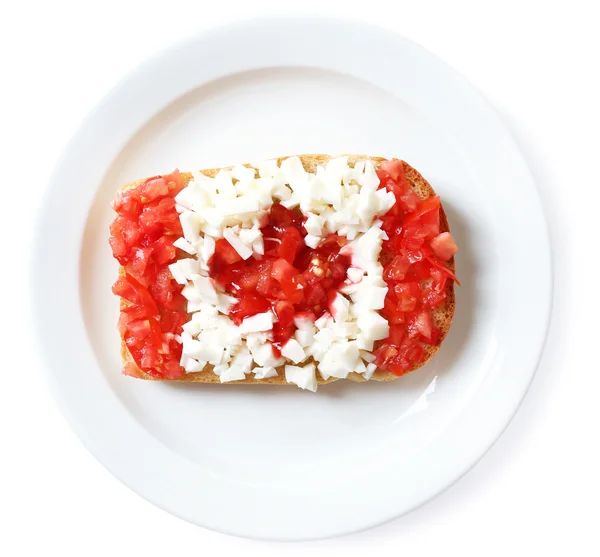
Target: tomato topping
[
  {"x": 282, "y": 270},
  {"x": 414, "y": 270},
  {"x": 443, "y": 246},
  {"x": 142, "y": 237},
  {"x": 224, "y": 251},
  {"x": 289, "y": 278},
  {"x": 428, "y": 204}
]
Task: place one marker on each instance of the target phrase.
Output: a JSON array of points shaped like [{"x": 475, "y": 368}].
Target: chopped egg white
[
  {"x": 292, "y": 350},
  {"x": 257, "y": 323},
  {"x": 304, "y": 376}
]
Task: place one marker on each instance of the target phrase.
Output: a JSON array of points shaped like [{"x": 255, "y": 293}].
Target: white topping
[
  {"x": 205, "y": 288},
  {"x": 303, "y": 376},
  {"x": 341, "y": 358},
  {"x": 372, "y": 325},
  {"x": 208, "y": 247},
  {"x": 264, "y": 372},
  {"x": 190, "y": 223},
  {"x": 303, "y": 322},
  {"x": 184, "y": 245},
  {"x": 312, "y": 241},
  {"x": 178, "y": 273},
  {"x": 257, "y": 323},
  {"x": 364, "y": 342},
  {"x": 295, "y": 175},
  {"x": 258, "y": 245},
  {"x": 340, "y": 307},
  {"x": 203, "y": 350},
  {"x": 368, "y": 296},
  {"x": 293, "y": 351},
  {"x": 371, "y": 180},
  {"x": 263, "y": 355},
  {"x": 249, "y": 235},
  {"x": 193, "y": 366},
  {"x": 240, "y": 206},
  {"x": 232, "y": 236},
  {"x": 231, "y": 374},
  {"x": 305, "y": 337},
  {"x": 360, "y": 366},
  {"x": 314, "y": 224},
  {"x": 355, "y": 274},
  {"x": 370, "y": 371},
  {"x": 367, "y": 356},
  {"x": 243, "y": 174}
]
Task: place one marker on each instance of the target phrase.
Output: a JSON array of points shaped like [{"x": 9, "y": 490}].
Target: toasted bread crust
[{"x": 442, "y": 314}]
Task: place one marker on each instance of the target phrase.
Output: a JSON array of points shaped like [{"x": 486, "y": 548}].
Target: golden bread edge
[{"x": 442, "y": 314}]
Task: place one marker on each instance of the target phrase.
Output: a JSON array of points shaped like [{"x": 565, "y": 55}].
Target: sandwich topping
[
  {"x": 329, "y": 273},
  {"x": 143, "y": 238}
]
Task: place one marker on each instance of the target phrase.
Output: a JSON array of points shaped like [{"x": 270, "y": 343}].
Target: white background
[{"x": 536, "y": 490}]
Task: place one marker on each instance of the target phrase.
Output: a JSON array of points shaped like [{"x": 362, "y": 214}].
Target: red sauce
[
  {"x": 290, "y": 278},
  {"x": 142, "y": 239}
]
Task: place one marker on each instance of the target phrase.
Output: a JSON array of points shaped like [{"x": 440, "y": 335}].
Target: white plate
[{"x": 280, "y": 463}]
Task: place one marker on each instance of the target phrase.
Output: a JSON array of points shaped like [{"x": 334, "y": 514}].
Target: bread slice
[{"x": 442, "y": 314}]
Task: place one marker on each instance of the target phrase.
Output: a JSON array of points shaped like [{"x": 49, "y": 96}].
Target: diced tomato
[
  {"x": 225, "y": 251},
  {"x": 140, "y": 260},
  {"x": 431, "y": 203},
  {"x": 127, "y": 230},
  {"x": 394, "y": 168},
  {"x": 420, "y": 323},
  {"x": 408, "y": 354},
  {"x": 407, "y": 293},
  {"x": 172, "y": 369},
  {"x": 391, "y": 225},
  {"x": 172, "y": 321},
  {"x": 124, "y": 319},
  {"x": 397, "y": 269},
  {"x": 118, "y": 245},
  {"x": 247, "y": 306},
  {"x": 443, "y": 246},
  {"x": 397, "y": 334},
  {"x": 384, "y": 355},
  {"x": 174, "y": 182},
  {"x": 149, "y": 357},
  {"x": 125, "y": 290},
  {"x": 131, "y": 370},
  {"x": 285, "y": 313},
  {"x": 154, "y": 188},
  {"x": 248, "y": 281},
  {"x": 430, "y": 298},
  {"x": 281, "y": 217},
  {"x": 139, "y": 328},
  {"x": 282, "y": 270},
  {"x": 294, "y": 289},
  {"x": 408, "y": 200},
  {"x": 433, "y": 338},
  {"x": 391, "y": 311},
  {"x": 291, "y": 242},
  {"x": 267, "y": 285},
  {"x": 164, "y": 251},
  {"x": 315, "y": 296},
  {"x": 443, "y": 268},
  {"x": 439, "y": 277}
]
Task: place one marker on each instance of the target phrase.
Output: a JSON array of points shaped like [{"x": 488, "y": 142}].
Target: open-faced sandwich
[{"x": 303, "y": 270}]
